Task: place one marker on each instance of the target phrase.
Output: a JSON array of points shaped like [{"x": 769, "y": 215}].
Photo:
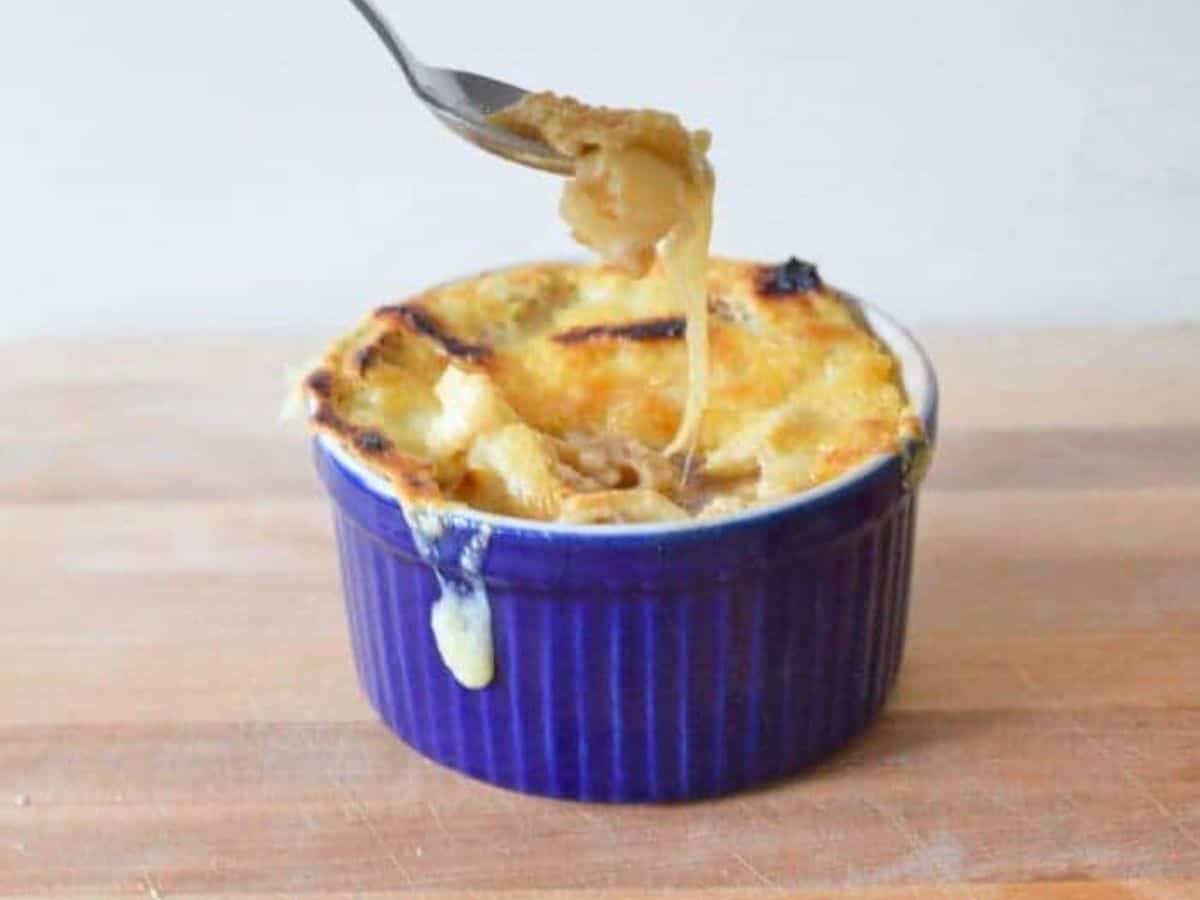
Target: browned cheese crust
[{"x": 548, "y": 391}]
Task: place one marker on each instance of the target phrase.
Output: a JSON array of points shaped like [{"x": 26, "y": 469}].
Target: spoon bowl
[{"x": 462, "y": 101}]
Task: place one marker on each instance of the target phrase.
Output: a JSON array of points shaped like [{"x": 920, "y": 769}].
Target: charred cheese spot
[
  {"x": 665, "y": 328},
  {"x": 371, "y": 442},
  {"x": 327, "y": 418},
  {"x": 365, "y": 358},
  {"x": 320, "y": 383},
  {"x": 788, "y": 279},
  {"x": 427, "y": 325}
]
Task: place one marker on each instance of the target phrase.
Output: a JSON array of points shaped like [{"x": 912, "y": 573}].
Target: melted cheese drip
[
  {"x": 685, "y": 260},
  {"x": 461, "y": 617},
  {"x": 640, "y": 179}
]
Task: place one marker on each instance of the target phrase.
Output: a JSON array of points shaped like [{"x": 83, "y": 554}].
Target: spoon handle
[{"x": 409, "y": 64}]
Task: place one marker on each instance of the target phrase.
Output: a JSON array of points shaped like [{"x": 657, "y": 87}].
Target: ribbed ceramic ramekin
[{"x": 646, "y": 662}]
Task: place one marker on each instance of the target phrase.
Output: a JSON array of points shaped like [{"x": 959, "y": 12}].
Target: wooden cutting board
[{"x": 178, "y": 711}]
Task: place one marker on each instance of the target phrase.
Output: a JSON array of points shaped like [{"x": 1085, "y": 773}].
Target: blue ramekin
[{"x": 645, "y": 662}]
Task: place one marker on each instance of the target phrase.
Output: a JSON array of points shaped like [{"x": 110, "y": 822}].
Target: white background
[{"x": 255, "y": 164}]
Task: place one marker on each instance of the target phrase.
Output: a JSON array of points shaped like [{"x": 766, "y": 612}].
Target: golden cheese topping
[
  {"x": 641, "y": 179},
  {"x": 552, "y": 391}
]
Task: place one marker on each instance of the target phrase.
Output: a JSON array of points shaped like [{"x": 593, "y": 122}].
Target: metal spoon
[{"x": 463, "y": 101}]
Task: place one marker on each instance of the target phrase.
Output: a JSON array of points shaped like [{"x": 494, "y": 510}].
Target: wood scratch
[
  {"x": 746, "y": 864},
  {"x": 152, "y": 890},
  {"x": 1166, "y": 813},
  {"x": 256, "y": 713},
  {"x": 306, "y": 815},
  {"x": 1028, "y": 822},
  {"x": 1025, "y": 678},
  {"x": 437, "y": 819},
  {"x": 602, "y": 823},
  {"x": 917, "y": 847},
  {"x": 353, "y": 805},
  {"x": 513, "y": 811},
  {"x": 1114, "y": 663},
  {"x": 1138, "y": 785},
  {"x": 357, "y": 809}
]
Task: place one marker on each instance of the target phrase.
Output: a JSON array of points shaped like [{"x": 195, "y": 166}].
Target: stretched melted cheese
[
  {"x": 640, "y": 178},
  {"x": 555, "y": 392}
]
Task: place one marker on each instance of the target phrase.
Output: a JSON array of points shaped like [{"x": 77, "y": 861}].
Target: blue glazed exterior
[{"x": 652, "y": 667}]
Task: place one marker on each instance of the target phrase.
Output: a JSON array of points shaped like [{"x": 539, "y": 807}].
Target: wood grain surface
[{"x": 178, "y": 712}]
